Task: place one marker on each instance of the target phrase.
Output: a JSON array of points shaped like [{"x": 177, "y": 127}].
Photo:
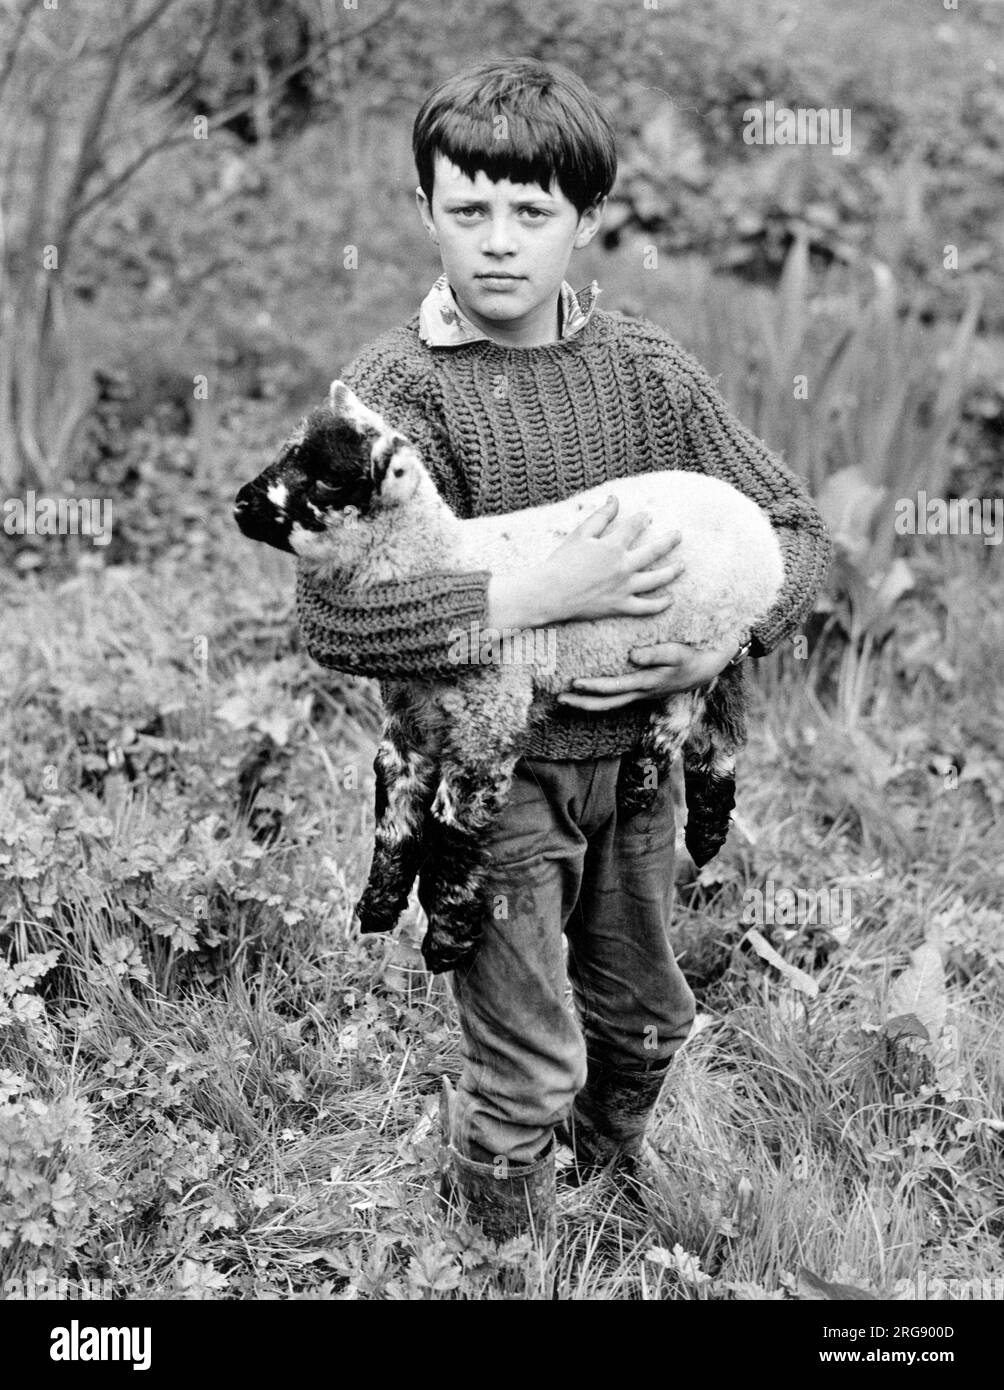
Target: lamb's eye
[{"x": 324, "y": 491}]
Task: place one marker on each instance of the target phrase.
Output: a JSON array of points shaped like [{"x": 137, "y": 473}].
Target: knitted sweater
[{"x": 505, "y": 428}]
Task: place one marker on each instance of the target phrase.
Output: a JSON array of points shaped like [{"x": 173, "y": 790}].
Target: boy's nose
[{"x": 499, "y": 238}]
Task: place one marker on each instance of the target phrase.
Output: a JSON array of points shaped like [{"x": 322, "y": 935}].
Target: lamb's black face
[{"x": 336, "y": 461}]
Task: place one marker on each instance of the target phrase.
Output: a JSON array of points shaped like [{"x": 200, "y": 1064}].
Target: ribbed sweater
[{"x": 503, "y": 428}]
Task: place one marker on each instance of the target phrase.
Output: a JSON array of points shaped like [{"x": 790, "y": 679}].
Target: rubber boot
[
  {"x": 506, "y": 1200},
  {"x": 606, "y": 1129}
]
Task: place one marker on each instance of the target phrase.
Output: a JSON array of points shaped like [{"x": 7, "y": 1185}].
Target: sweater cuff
[
  {"x": 404, "y": 628},
  {"x": 807, "y": 555}
]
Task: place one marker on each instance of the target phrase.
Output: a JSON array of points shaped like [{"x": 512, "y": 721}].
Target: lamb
[{"x": 350, "y": 495}]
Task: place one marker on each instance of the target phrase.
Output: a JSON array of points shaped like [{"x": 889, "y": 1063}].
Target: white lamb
[{"x": 349, "y": 494}]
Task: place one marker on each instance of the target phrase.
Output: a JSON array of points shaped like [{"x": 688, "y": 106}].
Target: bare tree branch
[
  {"x": 15, "y": 43},
  {"x": 87, "y": 161},
  {"x": 88, "y": 154},
  {"x": 191, "y": 77},
  {"x": 238, "y": 108},
  {"x": 38, "y": 206},
  {"x": 157, "y": 113},
  {"x": 141, "y": 26}
]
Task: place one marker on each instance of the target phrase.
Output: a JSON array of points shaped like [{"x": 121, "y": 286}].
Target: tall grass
[
  {"x": 212, "y": 1088},
  {"x": 856, "y": 393}
]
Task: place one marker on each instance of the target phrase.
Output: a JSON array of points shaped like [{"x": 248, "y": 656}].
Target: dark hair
[{"x": 552, "y": 129}]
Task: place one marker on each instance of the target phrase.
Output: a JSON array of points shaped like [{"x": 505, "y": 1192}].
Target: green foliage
[
  {"x": 53, "y": 1192},
  {"x": 858, "y": 396},
  {"x": 244, "y": 1094},
  {"x": 210, "y": 1087}
]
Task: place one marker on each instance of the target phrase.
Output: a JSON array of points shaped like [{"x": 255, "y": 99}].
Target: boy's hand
[
  {"x": 601, "y": 570},
  {"x": 667, "y": 667}
]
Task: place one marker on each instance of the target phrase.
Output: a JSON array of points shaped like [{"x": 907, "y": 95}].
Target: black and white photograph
[{"x": 501, "y": 726}]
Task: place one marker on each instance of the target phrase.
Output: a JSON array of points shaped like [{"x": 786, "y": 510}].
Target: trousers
[{"x": 578, "y": 897}]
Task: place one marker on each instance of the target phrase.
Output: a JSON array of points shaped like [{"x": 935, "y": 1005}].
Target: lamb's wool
[
  {"x": 732, "y": 565},
  {"x": 351, "y": 496},
  {"x": 501, "y": 429}
]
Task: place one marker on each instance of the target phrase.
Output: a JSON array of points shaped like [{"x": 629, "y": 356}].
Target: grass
[
  {"x": 210, "y": 1087},
  {"x": 217, "y": 1090}
]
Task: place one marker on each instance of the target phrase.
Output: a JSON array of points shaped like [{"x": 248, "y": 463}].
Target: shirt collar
[{"x": 442, "y": 323}]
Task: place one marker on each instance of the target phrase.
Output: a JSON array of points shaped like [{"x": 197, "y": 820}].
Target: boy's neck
[{"x": 544, "y": 328}]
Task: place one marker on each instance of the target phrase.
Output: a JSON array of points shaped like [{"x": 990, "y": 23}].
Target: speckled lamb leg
[
  {"x": 469, "y": 801},
  {"x": 404, "y": 781},
  {"x": 709, "y": 765},
  {"x": 709, "y": 776},
  {"x": 638, "y": 781},
  {"x": 482, "y": 738},
  {"x": 650, "y": 760}
]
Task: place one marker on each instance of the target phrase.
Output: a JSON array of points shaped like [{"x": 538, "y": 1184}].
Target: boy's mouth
[{"x": 499, "y": 282}]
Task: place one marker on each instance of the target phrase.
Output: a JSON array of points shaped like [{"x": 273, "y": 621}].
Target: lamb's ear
[
  {"x": 347, "y": 406},
  {"x": 341, "y": 399}
]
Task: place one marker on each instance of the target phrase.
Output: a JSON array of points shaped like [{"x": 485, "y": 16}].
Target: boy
[{"x": 518, "y": 392}]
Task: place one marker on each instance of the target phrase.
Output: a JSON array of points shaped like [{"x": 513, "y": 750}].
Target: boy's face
[{"x": 505, "y": 249}]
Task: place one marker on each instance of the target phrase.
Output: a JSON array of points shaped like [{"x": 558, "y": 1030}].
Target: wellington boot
[
  {"x": 606, "y": 1131},
  {"x": 505, "y": 1199}
]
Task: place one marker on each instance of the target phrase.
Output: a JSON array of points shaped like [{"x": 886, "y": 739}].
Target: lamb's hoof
[
  {"x": 447, "y": 945},
  {"x": 632, "y": 801},
  {"x": 374, "y": 915},
  {"x": 638, "y": 786},
  {"x": 703, "y": 842}
]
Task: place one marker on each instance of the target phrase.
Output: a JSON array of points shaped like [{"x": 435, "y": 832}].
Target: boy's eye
[{"x": 534, "y": 214}]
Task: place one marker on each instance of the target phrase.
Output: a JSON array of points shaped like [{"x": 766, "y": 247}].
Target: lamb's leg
[
  {"x": 484, "y": 732},
  {"x": 709, "y": 766},
  {"x": 641, "y": 771},
  {"x": 468, "y": 802},
  {"x": 649, "y": 761},
  {"x": 404, "y": 781},
  {"x": 709, "y": 777}
]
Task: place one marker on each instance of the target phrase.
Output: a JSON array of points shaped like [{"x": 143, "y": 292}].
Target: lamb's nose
[
  {"x": 245, "y": 504},
  {"x": 258, "y": 519},
  {"x": 246, "y": 509}
]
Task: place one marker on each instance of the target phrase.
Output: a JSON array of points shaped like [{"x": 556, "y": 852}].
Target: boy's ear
[
  {"x": 425, "y": 213},
  {"x": 589, "y": 223}
]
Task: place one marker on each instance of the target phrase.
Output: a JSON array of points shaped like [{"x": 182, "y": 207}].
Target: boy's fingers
[
  {"x": 597, "y": 522},
  {"x": 646, "y": 580},
  {"x": 632, "y": 528},
  {"x": 635, "y": 682},
  {"x": 597, "y": 702},
  {"x": 637, "y": 607},
  {"x": 662, "y": 654},
  {"x": 656, "y": 550}
]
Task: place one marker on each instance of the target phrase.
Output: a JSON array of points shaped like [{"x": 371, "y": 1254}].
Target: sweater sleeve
[
  {"x": 401, "y": 628},
  {"x": 714, "y": 441}
]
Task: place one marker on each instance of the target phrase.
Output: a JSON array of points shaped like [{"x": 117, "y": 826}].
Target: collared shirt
[{"x": 442, "y": 323}]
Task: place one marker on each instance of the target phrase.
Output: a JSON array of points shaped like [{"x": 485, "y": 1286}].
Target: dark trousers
[{"x": 565, "y": 868}]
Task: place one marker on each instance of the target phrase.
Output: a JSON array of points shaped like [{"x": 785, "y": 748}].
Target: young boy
[{"x": 517, "y": 392}]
